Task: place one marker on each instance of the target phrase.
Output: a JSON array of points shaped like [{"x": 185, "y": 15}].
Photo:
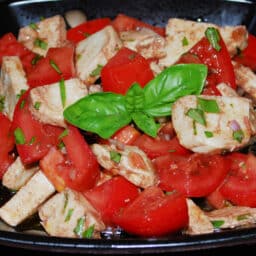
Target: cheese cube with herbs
[
  {"x": 40, "y": 36},
  {"x": 212, "y": 124}
]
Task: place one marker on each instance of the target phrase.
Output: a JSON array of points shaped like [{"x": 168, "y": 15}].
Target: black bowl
[{"x": 14, "y": 15}]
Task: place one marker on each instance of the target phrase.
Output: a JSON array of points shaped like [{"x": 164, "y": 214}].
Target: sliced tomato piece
[
  {"x": 159, "y": 147},
  {"x": 247, "y": 57},
  {"x": 218, "y": 62},
  {"x": 216, "y": 199},
  {"x": 86, "y": 29},
  {"x": 153, "y": 213},
  {"x": 195, "y": 176},
  {"x": 240, "y": 185},
  {"x": 125, "y": 23},
  {"x": 58, "y": 63},
  {"x": 33, "y": 139},
  {"x": 126, "y": 135},
  {"x": 112, "y": 195},
  {"x": 124, "y": 69}
]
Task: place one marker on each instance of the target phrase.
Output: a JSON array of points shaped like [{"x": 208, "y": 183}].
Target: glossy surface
[{"x": 15, "y": 15}]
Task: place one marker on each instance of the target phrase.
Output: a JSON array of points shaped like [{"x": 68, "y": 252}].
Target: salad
[{"x": 115, "y": 123}]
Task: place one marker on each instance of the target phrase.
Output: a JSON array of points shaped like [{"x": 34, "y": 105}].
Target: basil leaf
[
  {"x": 134, "y": 98},
  {"x": 213, "y": 37},
  {"x": 101, "y": 113},
  {"x": 210, "y": 106},
  {"x": 146, "y": 123},
  {"x": 197, "y": 115},
  {"x": 171, "y": 84}
]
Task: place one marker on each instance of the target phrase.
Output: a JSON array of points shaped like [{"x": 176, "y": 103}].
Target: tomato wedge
[
  {"x": 86, "y": 29},
  {"x": 112, "y": 195},
  {"x": 240, "y": 185},
  {"x": 33, "y": 139},
  {"x": 197, "y": 175},
  {"x": 154, "y": 213},
  {"x": 124, "y": 69}
]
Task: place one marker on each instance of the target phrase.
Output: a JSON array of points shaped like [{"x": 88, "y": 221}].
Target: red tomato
[
  {"x": 78, "y": 169},
  {"x": 153, "y": 213},
  {"x": 7, "y": 144},
  {"x": 156, "y": 147},
  {"x": 248, "y": 56},
  {"x": 44, "y": 73},
  {"x": 112, "y": 195},
  {"x": 195, "y": 176},
  {"x": 9, "y": 46},
  {"x": 87, "y": 28},
  {"x": 126, "y": 135},
  {"x": 216, "y": 199},
  {"x": 240, "y": 185},
  {"x": 125, "y": 23},
  {"x": 124, "y": 69},
  {"x": 38, "y": 137},
  {"x": 218, "y": 62}
]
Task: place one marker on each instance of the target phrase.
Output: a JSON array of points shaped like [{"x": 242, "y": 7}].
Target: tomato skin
[
  {"x": 196, "y": 175},
  {"x": 87, "y": 28},
  {"x": 240, "y": 184},
  {"x": 159, "y": 147},
  {"x": 63, "y": 57},
  {"x": 153, "y": 213},
  {"x": 112, "y": 195},
  {"x": 125, "y": 23},
  {"x": 248, "y": 56},
  {"x": 124, "y": 69},
  {"x": 218, "y": 62},
  {"x": 44, "y": 135}
]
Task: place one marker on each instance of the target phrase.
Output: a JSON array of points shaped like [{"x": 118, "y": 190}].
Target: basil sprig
[{"x": 104, "y": 113}]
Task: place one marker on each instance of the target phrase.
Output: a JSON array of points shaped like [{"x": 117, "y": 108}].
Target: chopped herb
[
  {"x": 96, "y": 71},
  {"x": 40, "y": 43},
  {"x": 69, "y": 214},
  {"x": 86, "y": 34},
  {"x": 79, "y": 229},
  {"x": 36, "y": 59},
  {"x": 88, "y": 232},
  {"x": 19, "y": 136},
  {"x": 37, "y": 105},
  {"x": 184, "y": 41},
  {"x": 33, "y": 26},
  {"x": 32, "y": 141},
  {"x": 243, "y": 216},
  {"x": 2, "y": 99},
  {"x": 22, "y": 91},
  {"x": 213, "y": 37},
  {"x": 132, "y": 56},
  {"x": 63, "y": 92},
  {"x": 194, "y": 128},
  {"x": 22, "y": 104},
  {"x": 217, "y": 223},
  {"x": 115, "y": 156},
  {"x": 78, "y": 56},
  {"x": 238, "y": 135},
  {"x": 172, "y": 150},
  {"x": 208, "y": 134},
  {"x": 65, "y": 202},
  {"x": 210, "y": 106},
  {"x": 55, "y": 67},
  {"x": 61, "y": 145},
  {"x": 63, "y": 134},
  {"x": 197, "y": 115}
]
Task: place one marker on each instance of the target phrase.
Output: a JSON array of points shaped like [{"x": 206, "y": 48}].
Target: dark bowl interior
[{"x": 14, "y": 15}]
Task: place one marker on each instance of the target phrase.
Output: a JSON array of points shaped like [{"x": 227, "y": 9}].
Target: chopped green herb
[
  {"x": 55, "y": 67},
  {"x": 243, "y": 216},
  {"x": 115, "y": 156},
  {"x": 96, "y": 71},
  {"x": 63, "y": 134},
  {"x": 36, "y": 59},
  {"x": 37, "y": 105},
  {"x": 2, "y": 99},
  {"x": 22, "y": 104},
  {"x": 22, "y": 91},
  {"x": 79, "y": 229},
  {"x": 217, "y": 223},
  {"x": 208, "y": 134},
  {"x": 63, "y": 92},
  {"x": 238, "y": 135},
  {"x": 197, "y": 115},
  {"x": 88, "y": 232},
  {"x": 184, "y": 41},
  {"x": 132, "y": 56},
  {"x": 210, "y": 106},
  {"x": 69, "y": 214},
  {"x": 33, "y": 26},
  {"x": 86, "y": 34},
  {"x": 40, "y": 43},
  {"x": 19, "y": 136},
  {"x": 171, "y": 150},
  {"x": 32, "y": 141},
  {"x": 213, "y": 37},
  {"x": 61, "y": 145},
  {"x": 194, "y": 128},
  {"x": 78, "y": 56},
  {"x": 65, "y": 202}
]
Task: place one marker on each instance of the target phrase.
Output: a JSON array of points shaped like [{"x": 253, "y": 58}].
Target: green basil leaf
[
  {"x": 171, "y": 84},
  {"x": 101, "y": 113},
  {"x": 207, "y": 105},
  {"x": 213, "y": 37},
  {"x": 146, "y": 123},
  {"x": 134, "y": 98},
  {"x": 197, "y": 115}
]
